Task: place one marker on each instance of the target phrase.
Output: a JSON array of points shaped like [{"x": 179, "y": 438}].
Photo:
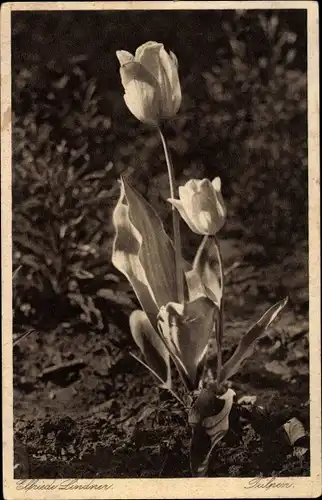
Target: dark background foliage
[{"x": 243, "y": 117}]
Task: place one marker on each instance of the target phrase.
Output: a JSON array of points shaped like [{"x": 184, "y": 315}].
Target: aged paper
[{"x": 65, "y": 417}]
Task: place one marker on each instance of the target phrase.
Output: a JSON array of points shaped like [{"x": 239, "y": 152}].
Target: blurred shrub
[
  {"x": 258, "y": 119},
  {"x": 63, "y": 185}
]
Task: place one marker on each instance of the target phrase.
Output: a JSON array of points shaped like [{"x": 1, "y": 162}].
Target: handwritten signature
[
  {"x": 65, "y": 484},
  {"x": 74, "y": 484},
  {"x": 268, "y": 483}
]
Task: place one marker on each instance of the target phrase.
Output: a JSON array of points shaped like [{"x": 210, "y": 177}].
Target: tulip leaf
[
  {"x": 187, "y": 329},
  {"x": 156, "y": 252},
  {"x": 246, "y": 345},
  {"x": 204, "y": 266},
  {"x": 125, "y": 257},
  {"x": 209, "y": 417},
  {"x": 152, "y": 347}
]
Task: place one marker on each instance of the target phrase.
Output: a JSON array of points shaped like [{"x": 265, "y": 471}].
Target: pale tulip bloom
[
  {"x": 201, "y": 205},
  {"x": 151, "y": 82}
]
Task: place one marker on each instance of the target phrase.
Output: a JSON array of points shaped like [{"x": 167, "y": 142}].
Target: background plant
[{"x": 62, "y": 184}]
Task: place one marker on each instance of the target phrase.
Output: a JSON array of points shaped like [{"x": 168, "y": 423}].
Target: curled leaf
[
  {"x": 209, "y": 417},
  {"x": 151, "y": 346},
  {"x": 246, "y": 345},
  {"x": 204, "y": 266},
  {"x": 186, "y": 330}
]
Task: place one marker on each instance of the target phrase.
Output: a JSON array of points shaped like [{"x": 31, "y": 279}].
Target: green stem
[
  {"x": 175, "y": 221},
  {"x": 221, "y": 310}
]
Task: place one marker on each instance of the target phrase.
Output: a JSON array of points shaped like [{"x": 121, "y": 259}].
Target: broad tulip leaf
[
  {"x": 125, "y": 256},
  {"x": 205, "y": 267},
  {"x": 187, "y": 329},
  {"x": 152, "y": 347},
  {"x": 209, "y": 417},
  {"x": 246, "y": 345},
  {"x": 156, "y": 252}
]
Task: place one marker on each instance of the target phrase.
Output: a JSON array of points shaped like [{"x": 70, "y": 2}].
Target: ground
[{"x": 83, "y": 407}]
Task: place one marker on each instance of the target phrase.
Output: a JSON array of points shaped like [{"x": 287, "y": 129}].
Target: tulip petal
[
  {"x": 186, "y": 191},
  {"x": 187, "y": 329},
  {"x": 203, "y": 208},
  {"x": 174, "y": 59},
  {"x": 142, "y": 94},
  {"x": 221, "y": 207},
  {"x": 246, "y": 345},
  {"x": 125, "y": 256},
  {"x": 133, "y": 70},
  {"x": 170, "y": 87},
  {"x": 207, "y": 190},
  {"x": 203, "y": 205},
  {"x": 204, "y": 266},
  {"x": 164, "y": 68},
  {"x": 141, "y": 100},
  {"x": 193, "y": 202},
  {"x": 179, "y": 206},
  {"x": 124, "y": 56},
  {"x": 148, "y": 55},
  {"x": 151, "y": 346},
  {"x": 156, "y": 253},
  {"x": 175, "y": 84},
  {"x": 216, "y": 184},
  {"x": 156, "y": 60}
]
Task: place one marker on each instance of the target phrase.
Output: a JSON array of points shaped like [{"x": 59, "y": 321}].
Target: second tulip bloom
[{"x": 201, "y": 205}]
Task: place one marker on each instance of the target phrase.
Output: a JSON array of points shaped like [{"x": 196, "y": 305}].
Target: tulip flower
[
  {"x": 151, "y": 82},
  {"x": 201, "y": 205}
]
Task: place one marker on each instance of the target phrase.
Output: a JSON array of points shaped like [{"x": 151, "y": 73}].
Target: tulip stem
[
  {"x": 221, "y": 310},
  {"x": 200, "y": 250},
  {"x": 175, "y": 221}
]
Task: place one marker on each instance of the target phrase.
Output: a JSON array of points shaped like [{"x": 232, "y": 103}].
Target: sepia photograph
[{"x": 157, "y": 220}]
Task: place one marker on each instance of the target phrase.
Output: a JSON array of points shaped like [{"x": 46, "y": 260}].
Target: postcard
[{"x": 160, "y": 242}]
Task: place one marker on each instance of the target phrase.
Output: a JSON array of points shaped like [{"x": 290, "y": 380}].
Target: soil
[{"x": 84, "y": 408}]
